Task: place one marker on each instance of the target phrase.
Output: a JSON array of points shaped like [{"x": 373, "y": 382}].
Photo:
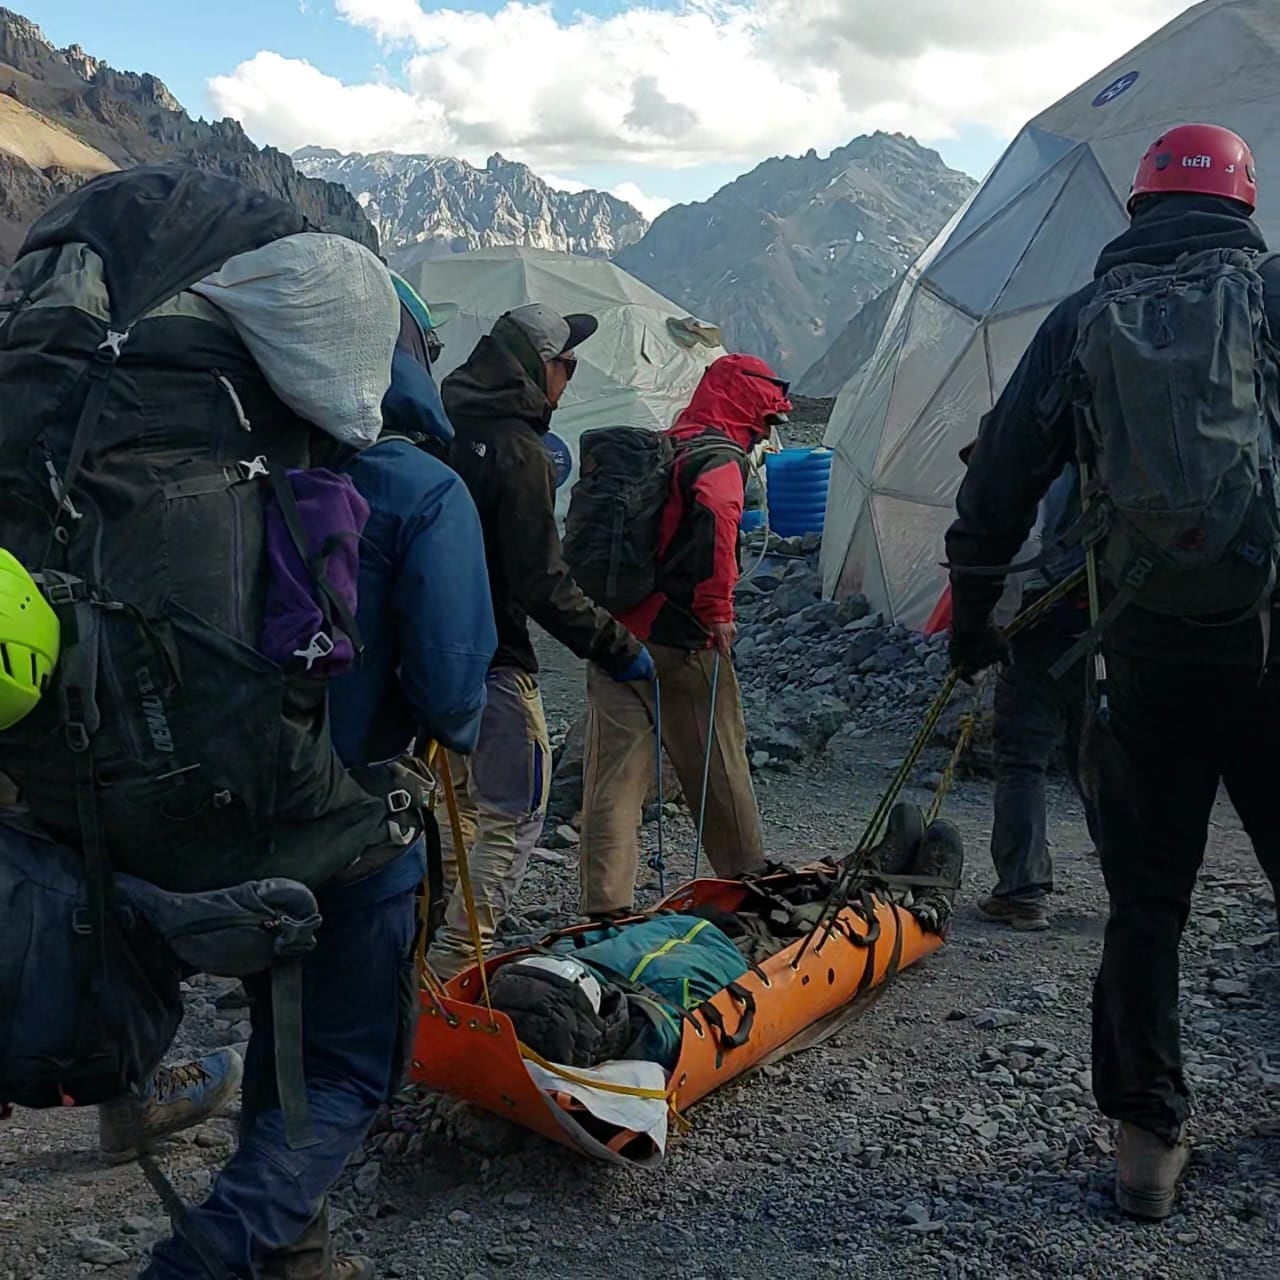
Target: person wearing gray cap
[{"x": 500, "y": 403}]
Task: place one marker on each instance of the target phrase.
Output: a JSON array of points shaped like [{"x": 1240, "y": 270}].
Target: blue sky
[{"x": 612, "y": 93}]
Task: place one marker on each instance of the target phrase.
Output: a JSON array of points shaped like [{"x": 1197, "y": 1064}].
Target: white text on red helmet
[{"x": 1197, "y": 162}]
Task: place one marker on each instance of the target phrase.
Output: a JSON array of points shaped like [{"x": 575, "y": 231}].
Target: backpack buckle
[
  {"x": 77, "y": 737},
  {"x": 63, "y": 592},
  {"x": 80, "y": 922},
  {"x": 253, "y": 468},
  {"x": 319, "y": 646},
  {"x": 109, "y": 347},
  {"x": 399, "y": 801}
]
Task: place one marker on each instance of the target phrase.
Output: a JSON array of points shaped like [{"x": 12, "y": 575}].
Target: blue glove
[{"x": 639, "y": 670}]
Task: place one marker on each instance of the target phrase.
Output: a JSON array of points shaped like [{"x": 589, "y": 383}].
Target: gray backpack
[{"x": 1178, "y": 392}]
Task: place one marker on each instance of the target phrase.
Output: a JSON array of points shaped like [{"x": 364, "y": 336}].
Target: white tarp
[
  {"x": 1028, "y": 237},
  {"x": 320, "y": 317},
  {"x": 631, "y": 372}
]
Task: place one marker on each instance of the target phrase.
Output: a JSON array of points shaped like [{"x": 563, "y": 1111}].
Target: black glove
[{"x": 975, "y": 649}]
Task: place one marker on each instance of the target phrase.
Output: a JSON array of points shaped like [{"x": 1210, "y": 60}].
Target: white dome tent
[
  {"x": 1028, "y": 237},
  {"x": 640, "y": 367}
]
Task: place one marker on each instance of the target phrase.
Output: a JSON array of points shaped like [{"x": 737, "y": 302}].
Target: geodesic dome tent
[
  {"x": 1028, "y": 237},
  {"x": 638, "y": 369}
]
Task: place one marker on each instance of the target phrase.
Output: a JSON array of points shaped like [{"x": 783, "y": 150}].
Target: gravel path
[{"x": 949, "y": 1132}]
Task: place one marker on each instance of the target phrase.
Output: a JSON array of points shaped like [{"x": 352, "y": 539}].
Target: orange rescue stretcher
[{"x": 793, "y": 1000}]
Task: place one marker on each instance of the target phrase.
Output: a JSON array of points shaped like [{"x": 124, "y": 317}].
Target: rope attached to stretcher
[
  {"x": 855, "y": 863},
  {"x": 464, "y": 874}
]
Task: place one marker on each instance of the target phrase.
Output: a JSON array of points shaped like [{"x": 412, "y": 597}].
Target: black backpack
[
  {"x": 139, "y": 445},
  {"x": 625, "y": 476}
]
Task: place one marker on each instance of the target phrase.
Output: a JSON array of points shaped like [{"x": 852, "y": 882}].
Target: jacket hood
[
  {"x": 1166, "y": 227},
  {"x": 494, "y": 383},
  {"x": 735, "y": 395}
]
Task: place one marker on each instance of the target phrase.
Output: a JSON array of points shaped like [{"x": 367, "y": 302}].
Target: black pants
[
  {"x": 1177, "y": 731},
  {"x": 1034, "y": 716}
]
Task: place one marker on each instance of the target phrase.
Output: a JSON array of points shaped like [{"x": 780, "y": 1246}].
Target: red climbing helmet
[{"x": 1202, "y": 158}]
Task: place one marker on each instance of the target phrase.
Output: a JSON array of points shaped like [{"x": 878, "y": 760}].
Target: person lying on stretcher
[{"x": 622, "y": 991}]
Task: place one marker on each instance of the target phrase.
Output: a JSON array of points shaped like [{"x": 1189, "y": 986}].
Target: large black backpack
[
  {"x": 138, "y": 442},
  {"x": 625, "y": 476}
]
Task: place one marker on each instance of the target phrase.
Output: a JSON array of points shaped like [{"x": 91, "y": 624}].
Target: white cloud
[
  {"x": 648, "y": 205},
  {"x": 713, "y": 81},
  {"x": 557, "y": 183}
]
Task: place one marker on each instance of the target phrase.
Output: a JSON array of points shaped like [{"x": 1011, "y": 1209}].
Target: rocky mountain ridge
[
  {"x": 784, "y": 256},
  {"x": 125, "y": 119},
  {"x": 453, "y": 206}
]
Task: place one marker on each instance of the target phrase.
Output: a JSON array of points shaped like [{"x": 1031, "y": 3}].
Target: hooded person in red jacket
[{"x": 686, "y": 622}]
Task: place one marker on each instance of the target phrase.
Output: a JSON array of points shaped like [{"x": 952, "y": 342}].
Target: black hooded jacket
[
  {"x": 500, "y": 413},
  {"x": 1029, "y": 437}
]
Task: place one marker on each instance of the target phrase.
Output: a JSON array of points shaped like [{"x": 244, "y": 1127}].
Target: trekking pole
[
  {"x": 658, "y": 860},
  {"x": 706, "y": 763}
]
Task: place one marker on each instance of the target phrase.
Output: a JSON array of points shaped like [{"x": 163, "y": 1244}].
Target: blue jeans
[
  {"x": 359, "y": 996},
  {"x": 1034, "y": 716}
]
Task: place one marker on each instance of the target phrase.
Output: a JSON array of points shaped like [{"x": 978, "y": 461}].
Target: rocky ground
[{"x": 949, "y": 1132}]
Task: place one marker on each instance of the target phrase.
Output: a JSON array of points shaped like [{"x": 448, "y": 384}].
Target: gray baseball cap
[{"x": 551, "y": 333}]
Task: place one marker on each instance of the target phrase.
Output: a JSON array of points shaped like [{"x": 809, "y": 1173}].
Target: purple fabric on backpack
[{"x": 302, "y": 628}]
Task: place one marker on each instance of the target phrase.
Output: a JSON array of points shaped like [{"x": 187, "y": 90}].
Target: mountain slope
[
  {"x": 855, "y": 344},
  {"x": 785, "y": 255},
  {"x": 67, "y": 116},
  {"x": 452, "y": 206}
]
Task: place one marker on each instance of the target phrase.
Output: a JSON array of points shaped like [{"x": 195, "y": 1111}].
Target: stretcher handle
[{"x": 734, "y": 1039}]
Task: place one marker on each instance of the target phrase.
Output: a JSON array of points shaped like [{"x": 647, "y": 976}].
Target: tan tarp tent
[
  {"x": 640, "y": 367},
  {"x": 1028, "y": 236}
]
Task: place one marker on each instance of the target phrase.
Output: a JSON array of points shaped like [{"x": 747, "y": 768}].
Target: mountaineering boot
[
  {"x": 895, "y": 855},
  {"x": 176, "y": 1099},
  {"x": 1147, "y": 1171},
  {"x": 941, "y": 856},
  {"x": 311, "y": 1257},
  {"x": 1026, "y": 917}
]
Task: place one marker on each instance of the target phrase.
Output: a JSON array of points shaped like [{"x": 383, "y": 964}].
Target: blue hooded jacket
[
  {"x": 424, "y": 612},
  {"x": 424, "y": 604}
]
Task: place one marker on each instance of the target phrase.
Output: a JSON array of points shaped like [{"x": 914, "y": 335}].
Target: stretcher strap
[
  {"x": 605, "y": 1086},
  {"x": 464, "y": 874}
]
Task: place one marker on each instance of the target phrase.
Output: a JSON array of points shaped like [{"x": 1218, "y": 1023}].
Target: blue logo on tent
[
  {"x": 561, "y": 458},
  {"x": 1116, "y": 88}
]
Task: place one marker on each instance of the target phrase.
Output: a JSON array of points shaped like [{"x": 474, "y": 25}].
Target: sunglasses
[
  {"x": 569, "y": 364},
  {"x": 781, "y": 383}
]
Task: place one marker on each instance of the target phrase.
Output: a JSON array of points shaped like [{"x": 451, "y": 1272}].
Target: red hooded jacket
[{"x": 698, "y": 536}]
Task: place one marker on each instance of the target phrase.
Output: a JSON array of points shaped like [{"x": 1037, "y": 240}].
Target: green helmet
[{"x": 29, "y": 641}]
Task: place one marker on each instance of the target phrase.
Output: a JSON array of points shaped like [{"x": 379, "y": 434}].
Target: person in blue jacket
[{"x": 427, "y": 622}]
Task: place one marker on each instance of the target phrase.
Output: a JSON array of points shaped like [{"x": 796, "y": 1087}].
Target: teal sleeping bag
[{"x": 680, "y": 961}]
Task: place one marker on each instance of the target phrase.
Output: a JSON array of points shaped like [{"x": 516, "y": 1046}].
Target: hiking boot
[
  {"x": 896, "y": 853},
  {"x": 176, "y": 1099},
  {"x": 1026, "y": 917},
  {"x": 940, "y": 857},
  {"x": 311, "y": 1257},
  {"x": 1147, "y": 1171}
]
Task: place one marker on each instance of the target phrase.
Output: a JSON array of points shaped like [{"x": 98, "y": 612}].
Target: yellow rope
[
  {"x": 627, "y": 1090},
  {"x": 464, "y": 873}
]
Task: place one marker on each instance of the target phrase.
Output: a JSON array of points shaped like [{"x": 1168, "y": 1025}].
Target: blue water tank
[{"x": 798, "y": 480}]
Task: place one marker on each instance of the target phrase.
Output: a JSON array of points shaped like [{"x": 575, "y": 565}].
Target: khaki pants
[
  {"x": 620, "y": 761},
  {"x": 502, "y": 800}
]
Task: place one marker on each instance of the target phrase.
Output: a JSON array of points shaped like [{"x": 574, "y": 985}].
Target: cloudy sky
[{"x": 659, "y": 101}]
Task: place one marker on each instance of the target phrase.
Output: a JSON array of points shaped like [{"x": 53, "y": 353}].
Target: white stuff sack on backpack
[{"x": 320, "y": 317}]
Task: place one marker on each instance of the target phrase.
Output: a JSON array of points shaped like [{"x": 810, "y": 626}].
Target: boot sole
[{"x": 1152, "y": 1205}]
